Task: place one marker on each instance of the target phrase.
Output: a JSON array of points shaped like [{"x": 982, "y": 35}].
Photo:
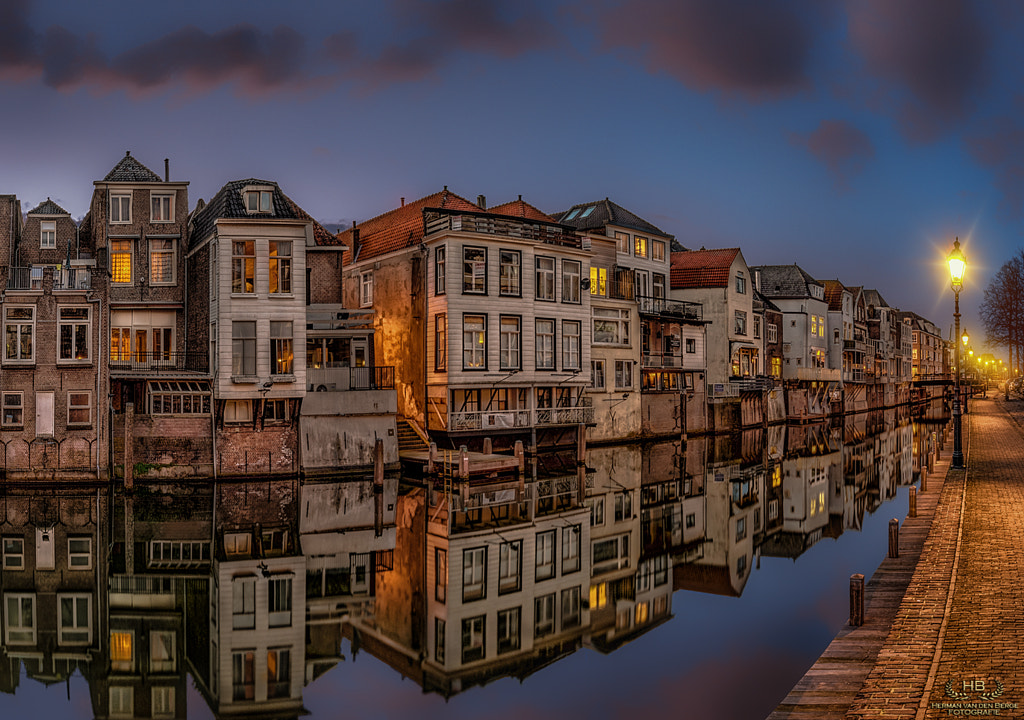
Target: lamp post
[{"x": 957, "y": 265}]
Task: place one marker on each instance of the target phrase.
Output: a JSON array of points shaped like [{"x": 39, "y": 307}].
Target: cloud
[
  {"x": 929, "y": 54},
  {"x": 748, "y": 47},
  {"x": 999, "y": 146},
  {"x": 17, "y": 40},
  {"x": 842, "y": 147}
]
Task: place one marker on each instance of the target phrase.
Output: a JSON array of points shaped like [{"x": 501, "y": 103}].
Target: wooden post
[
  {"x": 463, "y": 462},
  {"x": 520, "y": 456},
  {"x": 856, "y": 600},
  {"x": 129, "y": 459},
  {"x": 924, "y": 480},
  {"x": 378, "y": 488},
  {"x": 432, "y": 458},
  {"x": 913, "y": 502},
  {"x": 581, "y": 463},
  {"x": 894, "y": 538},
  {"x": 488, "y": 446}
]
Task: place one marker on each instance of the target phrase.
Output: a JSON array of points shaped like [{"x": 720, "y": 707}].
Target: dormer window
[{"x": 258, "y": 201}]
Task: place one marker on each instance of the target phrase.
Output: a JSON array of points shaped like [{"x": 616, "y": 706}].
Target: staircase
[{"x": 408, "y": 438}]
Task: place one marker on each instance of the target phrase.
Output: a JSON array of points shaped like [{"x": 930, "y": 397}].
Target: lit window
[
  {"x": 48, "y": 234},
  {"x": 598, "y": 281},
  {"x": 279, "y": 673},
  {"x": 474, "y": 342},
  {"x": 79, "y": 408},
  {"x": 120, "y": 208},
  {"x": 281, "y": 347},
  {"x": 161, "y": 208},
  {"x": 19, "y": 332},
  {"x": 121, "y": 261},
  {"x": 121, "y": 657},
  {"x": 243, "y": 267},
  {"x": 162, "y": 261},
  {"x": 640, "y": 246},
  {"x": 74, "y": 331}
]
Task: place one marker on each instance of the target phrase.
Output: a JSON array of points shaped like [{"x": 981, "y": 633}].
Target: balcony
[
  {"x": 335, "y": 378},
  {"x": 735, "y": 386},
  {"x": 811, "y": 374},
  {"x": 662, "y": 360},
  {"x": 159, "y": 363},
  {"x": 31, "y": 278},
  {"x": 670, "y": 308},
  {"x": 435, "y": 221},
  {"x": 519, "y": 419}
]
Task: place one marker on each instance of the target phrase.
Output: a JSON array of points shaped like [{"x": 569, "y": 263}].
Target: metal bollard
[
  {"x": 856, "y": 600},
  {"x": 894, "y": 538},
  {"x": 913, "y": 503}
]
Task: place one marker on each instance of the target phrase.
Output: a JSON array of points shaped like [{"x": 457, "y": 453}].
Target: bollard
[
  {"x": 894, "y": 538},
  {"x": 913, "y": 503},
  {"x": 924, "y": 481},
  {"x": 856, "y": 600},
  {"x": 488, "y": 446},
  {"x": 431, "y": 458}
]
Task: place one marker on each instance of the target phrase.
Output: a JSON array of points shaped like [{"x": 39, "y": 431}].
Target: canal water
[{"x": 713, "y": 573}]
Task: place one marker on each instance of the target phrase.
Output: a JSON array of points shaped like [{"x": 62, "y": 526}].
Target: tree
[{"x": 1002, "y": 309}]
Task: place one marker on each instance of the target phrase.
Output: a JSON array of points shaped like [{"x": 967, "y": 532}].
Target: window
[
  {"x": 161, "y": 208},
  {"x": 280, "y": 602},
  {"x": 48, "y": 234},
  {"x": 571, "y": 549},
  {"x": 571, "y": 607},
  {"x": 439, "y": 271},
  {"x": 776, "y": 367},
  {"x": 121, "y": 261},
  {"x": 740, "y": 322},
  {"x": 236, "y": 411},
  {"x": 691, "y": 345},
  {"x": 243, "y": 266},
  {"x": 597, "y": 374},
  {"x": 545, "y": 344},
  {"x": 440, "y": 574},
  {"x": 545, "y": 289},
  {"x": 610, "y": 554},
  {"x": 259, "y": 201},
  {"x": 121, "y": 700},
  {"x": 161, "y": 651},
  {"x": 20, "y": 619},
  {"x": 622, "y": 242},
  {"x": 623, "y": 374},
  {"x": 19, "y": 332},
  {"x": 741, "y": 528},
  {"x": 80, "y": 553},
  {"x": 13, "y": 409},
  {"x": 814, "y": 325},
  {"x": 243, "y": 348},
  {"x": 657, "y": 250},
  {"x": 773, "y": 333},
  {"x": 510, "y": 560},
  {"x": 571, "y": 273},
  {"x": 623, "y": 506},
  {"x": 596, "y": 506},
  {"x": 474, "y": 574},
  {"x": 741, "y": 284},
  {"x": 174, "y": 397},
  {"x": 544, "y": 615},
  {"x": 178, "y": 553},
  {"x": 598, "y": 281},
  {"x": 243, "y": 675},
  {"x": 281, "y": 268},
  {"x": 821, "y": 326},
  {"x": 79, "y": 408},
  {"x": 611, "y": 326},
  {"x": 474, "y": 342},
  {"x": 275, "y": 411},
  {"x": 243, "y": 603},
  {"x": 366, "y": 289},
  {"x": 281, "y": 347},
  {"x": 439, "y": 628},
  {"x": 545, "y": 555},
  {"x": 13, "y": 553},
  {"x": 757, "y": 327},
  {"x": 162, "y": 701},
  {"x": 440, "y": 341},
  {"x": 571, "y": 344},
  {"x": 508, "y": 630},
  {"x": 237, "y": 544},
  {"x": 122, "y": 656},
  {"x": 474, "y": 270},
  {"x": 120, "y": 208},
  {"x": 473, "y": 639},
  {"x": 73, "y": 330},
  {"x": 509, "y": 356},
  {"x": 509, "y": 273},
  {"x": 640, "y": 246},
  {"x": 279, "y": 673},
  {"x": 658, "y": 283}
]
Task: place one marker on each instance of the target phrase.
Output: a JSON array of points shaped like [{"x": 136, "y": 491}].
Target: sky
[{"x": 856, "y": 139}]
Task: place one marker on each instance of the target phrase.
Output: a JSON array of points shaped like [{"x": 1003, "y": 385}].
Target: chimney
[
  {"x": 167, "y": 169},
  {"x": 355, "y": 241},
  {"x": 481, "y": 201},
  {"x": 403, "y": 202}
]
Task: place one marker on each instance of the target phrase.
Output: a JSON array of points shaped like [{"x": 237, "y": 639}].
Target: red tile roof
[
  {"x": 399, "y": 228},
  {"x": 702, "y": 268},
  {"x": 523, "y": 209},
  {"x": 834, "y": 294}
]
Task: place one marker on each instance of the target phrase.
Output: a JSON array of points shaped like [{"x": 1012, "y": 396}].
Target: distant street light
[{"x": 957, "y": 265}]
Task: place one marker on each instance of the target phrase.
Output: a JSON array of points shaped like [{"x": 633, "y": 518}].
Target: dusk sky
[{"x": 855, "y": 139}]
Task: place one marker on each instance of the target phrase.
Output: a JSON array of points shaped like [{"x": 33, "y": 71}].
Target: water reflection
[{"x": 251, "y": 587}]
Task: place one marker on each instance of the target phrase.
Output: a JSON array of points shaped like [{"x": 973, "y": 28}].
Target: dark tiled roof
[
  {"x": 48, "y": 208},
  {"x": 873, "y": 297},
  {"x": 399, "y": 228},
  {"x": 229, "y": 203},
  {"x": 765, "y": 302},
  {"x": 131, "y": 170},
  {"x": 702, "y": 268},
  {"x": 784, "y": 281},
  {"x": 606, "y": 213}
]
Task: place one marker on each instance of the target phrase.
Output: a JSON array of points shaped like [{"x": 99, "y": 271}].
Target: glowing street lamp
[{"x": 957, "y": 266}]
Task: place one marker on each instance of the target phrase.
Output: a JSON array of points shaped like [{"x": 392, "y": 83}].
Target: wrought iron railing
[
  {"x": 169, "y": 361},
  {"x": 675, "y": 308}
]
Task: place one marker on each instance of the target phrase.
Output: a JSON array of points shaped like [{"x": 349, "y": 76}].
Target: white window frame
[
  {"x": 79, "y": 559},
  {"x": 279, "y": 601},
  {"x": 544, "y": 289},
  {"x": 11, "y": 407},
  {"x": 510, "y": 273},
  {"x": 73, "y": 325},
  {"x": 122, "y": 258},
  {"x": 613, "y": 324},
  {"x": 623, "y": 374},
  {"x": 740, "y": 322},
  {"x": 545, "y": 343},
  {"x": 166, "y": 251},
  {"x": 47, "y": 234},
  {"x": 243, "y": 602},
  {"x": 658, "y": 250},
  {"x": 243, "y": 348},
  {"x": 366, "y": 289},
  {"x": 14, "y": 632},
  {"x": 509, "y": 630},
  {"x": 544, "y": 615},
  {"x": 74, "y": 405},
  {"x": 243, "y": 267},
  {"x": 544, "y": 555},
  {"x": 474, "y": 574},
  {"x": 639, "y": 246},
  {"x": 161, "y": 207},
  {"x": 510, "y": 342},
  {"x": 440, "y": 270},
  {"x": 162, "y": 701},
  {"x": 474, "y": 634},
  {"x": 10, "y": 545},
  {"x": 258, "y": 201},
  {"x": 474, "y": 342},
  {"x": 71, "y": 634},
  {"x": 571, "y": 537},
  {"x": 598, "y": 377},
  {"x": 572, "y": 275},
  {"x": 120, "y": 206},
  {"x": 474, "y": 270},
  {"x": 237, "y": 411},
  {"x": 622, "y": 243},
  {"x": 510, "y": 564},
  {"x": 572, "y": 344},
  {"x": 571, "y": 607},
  {"x": 121, "y": 701},
  {"x": 21, "y": 326}
]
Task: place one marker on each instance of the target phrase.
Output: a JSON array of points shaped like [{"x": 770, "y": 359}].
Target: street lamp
[{"x": 957, "y": 265}]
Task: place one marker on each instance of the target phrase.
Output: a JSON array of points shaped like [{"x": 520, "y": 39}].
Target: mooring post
[
  {"x": 894, "y": 538},
  {"x": 856, "y": 600},
  {"x": 520, "y": 456},
  {"x": 431, "y": 458},
  {"x": 913, "y": 502},
  {"x": 924, "y": 480},
  {"x": 488, "y": 446},
  {"x": 463, "y": 462}
]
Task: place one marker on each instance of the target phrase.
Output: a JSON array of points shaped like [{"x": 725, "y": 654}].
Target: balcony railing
[
  {"x": 513, "y": 419},
  {"x": 28, "y": 278},
  {"x": 551, "y": 234},
  {"x": 735, "y": 386},
  {"x": 674, "y": 308},
  {"x": 340, "y": 379},
  {"x": 171, "y": 361}
]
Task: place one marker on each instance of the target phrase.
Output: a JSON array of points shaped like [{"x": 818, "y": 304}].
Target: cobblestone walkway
[{"x": 956, "y": 647}]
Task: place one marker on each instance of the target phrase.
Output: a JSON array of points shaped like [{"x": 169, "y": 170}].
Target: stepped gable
[
  {"x": 131, "y": 170},
  {"x": 398, "y": 228},
  {"x": 702, "y": 268}
]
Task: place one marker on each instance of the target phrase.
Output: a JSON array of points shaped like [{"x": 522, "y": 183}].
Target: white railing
[{"x": 512, "y": 419}]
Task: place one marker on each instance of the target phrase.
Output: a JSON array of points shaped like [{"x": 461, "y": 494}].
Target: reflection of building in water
[
  {"x": 249, "y": 628},
  {"x": 53, "y": 609}
]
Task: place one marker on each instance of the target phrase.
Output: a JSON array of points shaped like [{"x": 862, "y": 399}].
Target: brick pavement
[{"x": 956, "y": 646}]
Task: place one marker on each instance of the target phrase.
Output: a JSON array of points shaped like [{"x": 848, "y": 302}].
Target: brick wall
[{"x": 325, "y": 284}]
